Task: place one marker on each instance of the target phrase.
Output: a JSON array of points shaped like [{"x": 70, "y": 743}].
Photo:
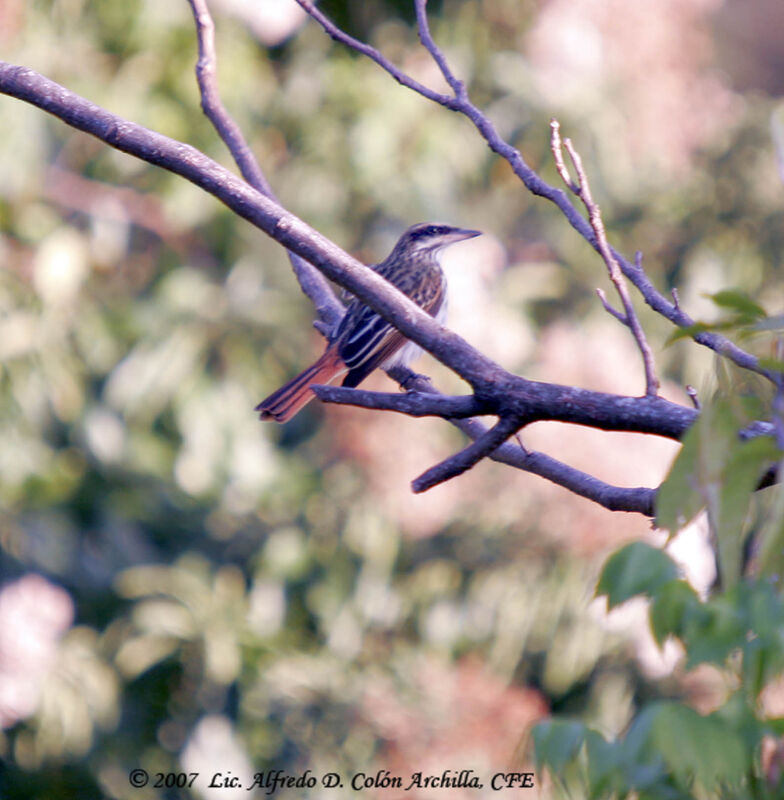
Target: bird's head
[{"x": 430, "y": 238}]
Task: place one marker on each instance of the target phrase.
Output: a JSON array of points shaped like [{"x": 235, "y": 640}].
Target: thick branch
[
  {"x": 496, "y": 390},
  {"x": 424, "y": 400},
  {"x": 613, "y": 498},
  {"x": 247, "y": 202},
  {"x": 532, "y": 401},
  {"x": 414, "y": 404}
]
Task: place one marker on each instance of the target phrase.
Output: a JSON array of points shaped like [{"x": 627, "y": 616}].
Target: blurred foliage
[
  {"x": 669, "y": 750},
  {"x": 239, "y": 591}
]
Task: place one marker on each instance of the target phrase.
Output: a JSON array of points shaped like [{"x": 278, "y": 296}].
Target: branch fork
[{"x": 582, "y": 189}]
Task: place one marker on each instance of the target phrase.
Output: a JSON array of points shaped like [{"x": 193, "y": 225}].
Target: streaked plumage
[{"x": 363, "y": 340}]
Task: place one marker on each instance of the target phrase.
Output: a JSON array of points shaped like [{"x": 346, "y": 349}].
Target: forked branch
[
  {"x": 460, "y": 102},
  {"x": 315, "y": 287},
  {"x": 582, "y": 189}
]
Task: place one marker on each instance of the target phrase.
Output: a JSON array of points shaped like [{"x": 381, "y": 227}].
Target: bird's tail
[{"x": 283, "y": 404}]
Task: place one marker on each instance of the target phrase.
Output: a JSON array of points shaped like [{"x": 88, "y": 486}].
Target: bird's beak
[{"x": 460, "y": 234}]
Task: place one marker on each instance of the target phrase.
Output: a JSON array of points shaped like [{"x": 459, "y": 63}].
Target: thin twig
[
  {"x": 695, "y": 399},
  {"x": 619, "y": 315},
  {"x": 639, "y": 499},
  {"x": 374, "y": 55},
  {"x": 460, "y": 462},
  {"x": 629, "y": 318},
  {"x": 423, "y": 29},
  {"x": 537, "y": 186},
  {"x": 329, "y": 309},
  {"x": 556, "y": 148},
  {"x": 778, "y": 401},
  {"x": 212, "y": 105}
]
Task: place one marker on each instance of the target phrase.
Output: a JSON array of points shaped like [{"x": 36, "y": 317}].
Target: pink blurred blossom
[
  {"x": 34, "y": 615},
  {"x": 460, "y": 716}
]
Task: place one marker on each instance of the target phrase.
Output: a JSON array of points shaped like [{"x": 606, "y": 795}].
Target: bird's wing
[
  {"x": 369, "y": 340},
  {"x": 388, "y": 346},
  {"x": 364, "y": 334}
]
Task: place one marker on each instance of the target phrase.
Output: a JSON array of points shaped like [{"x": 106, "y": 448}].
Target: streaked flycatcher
[{"x": 363, "y": 340}]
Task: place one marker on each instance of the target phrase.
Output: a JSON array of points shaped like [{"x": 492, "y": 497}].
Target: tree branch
[
  {"x": 460, "y": 462},
  {"x": 503, "y": 393},
  {"x": 462, "y": 104},
  {"x": 405, "y": 80},
  {"x": 613, "y": 312},
  {"x": 423, "y": 29},
  {"x": 496, "y": 390},
  {"x": 312, "y": 282},
  {"x": 283, "y": 226},
  {"x": 533, "y": 401},
  {"x": 613, "y": 498},
  {"x": 413, "y": 403},
  {"x": 582, "y": 189}
]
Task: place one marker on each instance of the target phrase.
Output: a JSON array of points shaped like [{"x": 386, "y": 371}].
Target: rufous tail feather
[{"x": 283, "y": 404}]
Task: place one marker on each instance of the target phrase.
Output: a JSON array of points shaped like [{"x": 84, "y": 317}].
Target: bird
[{"x": 363, "y": 340}]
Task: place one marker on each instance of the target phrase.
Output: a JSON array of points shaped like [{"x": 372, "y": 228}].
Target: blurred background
[{"x": 185, "y": 588}]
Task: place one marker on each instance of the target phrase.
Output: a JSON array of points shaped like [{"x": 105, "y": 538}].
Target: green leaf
[
  {"x": 678, "y": 499},
  {"x": 739, "y": 302},
  {"x": 557, "y": 742},
  {"x": 635, "y": 569},
  {"x": 764, "y": 609},
  {"x": 772, "y": 364},
  {"x": 745, "y": 464},
  {"x": 714, "y": 630},
  {"x": 770, "y": 538},
  {"x": 763, "y": 652},
  {"x": 605, "y": 775},
  {"x": 744, "y": 312},
  {"x": 698, "y": 748},
  {"x": 775, "y": 726},
  {"x": 739, "y": 713},
  {"x": 720, "y": 471},
  {"x": 643, "y": 767},
  {"x": 671, "y": 607}
]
